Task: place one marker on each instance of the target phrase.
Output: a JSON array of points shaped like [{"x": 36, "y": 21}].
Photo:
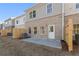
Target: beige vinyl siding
[
  {"x": 41, "y": 11},
  {"x": 70, "y": 8}
]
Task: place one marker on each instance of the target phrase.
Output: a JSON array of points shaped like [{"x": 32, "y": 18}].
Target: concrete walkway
[{"x": 46, "y": 42}]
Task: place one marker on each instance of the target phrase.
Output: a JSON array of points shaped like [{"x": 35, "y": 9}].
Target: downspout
[{"x": 62, "y": 21}]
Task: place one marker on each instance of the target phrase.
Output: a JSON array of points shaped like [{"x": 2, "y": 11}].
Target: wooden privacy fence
[
  {"x": 17, "y": 32},
  {"x": 69, "y": 34},
  {"x": 5, "y": 31}
]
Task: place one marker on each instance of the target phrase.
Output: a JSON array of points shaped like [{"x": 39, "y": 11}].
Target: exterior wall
[
  {"x": 70, "y": 8},
  {"x": 55, "y": 20},
  {"x": 41, "y": 10},
  {"x": 7, "y": 27},
  {"x": 9, "y": 24},
  {"x": 75, "y": 18},
  {"x": 73, "y": 13},
  {"x": 44, "y": 19},
  {"x": 20, "y": 26},
  {"x": 21, "y": 21}
]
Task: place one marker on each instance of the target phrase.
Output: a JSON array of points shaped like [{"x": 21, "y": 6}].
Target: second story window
[
  {"x": 77, "y": 5},
  {"x": 49, "y": 8},
  {"x": 30, "y": 15},
  {"x": 34, "y": 14},
  {"x": 17, "y": 22}
]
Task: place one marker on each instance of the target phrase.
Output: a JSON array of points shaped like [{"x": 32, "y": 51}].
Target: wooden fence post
[{"x": 69, "y": 34}]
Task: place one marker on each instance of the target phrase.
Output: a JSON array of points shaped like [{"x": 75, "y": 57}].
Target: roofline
[
  {"x": 7, "y": 19},
  {"x": 10, "y": 18},
  {"x": 36, "y": 4},
  {"x": 19, "y": 16}
]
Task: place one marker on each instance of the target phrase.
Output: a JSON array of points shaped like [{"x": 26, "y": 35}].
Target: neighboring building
[
  {"x": 72, "y": 11},
  {"x": 1, "y": 26},
  {"x": 20, "y": 21},
  {"x": 8, "y": 26},
  {"x": 45, "y": 21},
  {"x": 9, "y": 23}
]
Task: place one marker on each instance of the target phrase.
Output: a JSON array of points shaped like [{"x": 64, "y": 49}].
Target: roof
[
  {"x": 35, "y": 5},
  {"x": 19, "y": 16}
]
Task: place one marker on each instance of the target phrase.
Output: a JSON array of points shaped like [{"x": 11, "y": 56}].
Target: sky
[{"x": 8, "y": 10}]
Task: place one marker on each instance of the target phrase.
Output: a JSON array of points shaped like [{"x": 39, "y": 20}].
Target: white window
[
  {"x": 35, "y": 30},
  {"x": 32, "y": 14},
  {"x": 17, "y": 22},
  {"x": 49, "y": 8},
  {"x": 77, "y": 5}
]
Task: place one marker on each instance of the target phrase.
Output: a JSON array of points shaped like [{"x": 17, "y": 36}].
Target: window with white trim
[
  {"x": 49, "y": 8},
  {"x": 32, "y": 14},
  {"x": 17, "y": 22},
  {"x": 35, "y": 30},
  {"x": 77, "y": 5}
]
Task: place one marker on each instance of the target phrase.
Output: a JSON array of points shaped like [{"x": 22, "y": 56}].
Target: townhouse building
[
  {"x": 9, "y": 23},
  {"x": 20, "y": 28},
  {"x": 44, "y": 21},
  {"x": 8, "y": 26},
  {"x": 20, "y": 21},
  {"x": 71, "y": 11}
]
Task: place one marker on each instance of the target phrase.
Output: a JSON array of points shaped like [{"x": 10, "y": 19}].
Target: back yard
[{"x": 9, "y": 47}]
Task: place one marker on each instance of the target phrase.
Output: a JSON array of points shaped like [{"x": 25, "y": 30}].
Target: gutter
[{"x": 62, "y": 21}]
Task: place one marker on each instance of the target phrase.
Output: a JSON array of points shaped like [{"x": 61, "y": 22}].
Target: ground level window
[
  {"x": 35, "y": 30},
  {"x": 29, "y": 30},
  {"x": 76, "y": 28}
]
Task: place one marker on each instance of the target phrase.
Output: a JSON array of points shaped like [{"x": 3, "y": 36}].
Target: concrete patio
[{"x": 45, "y": 42}]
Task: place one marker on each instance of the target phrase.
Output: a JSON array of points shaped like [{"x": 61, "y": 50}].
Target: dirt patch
[{"x": 10, "y": 47}]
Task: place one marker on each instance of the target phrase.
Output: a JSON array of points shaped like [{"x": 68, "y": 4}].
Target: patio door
[{"x": 51, "y": 31}]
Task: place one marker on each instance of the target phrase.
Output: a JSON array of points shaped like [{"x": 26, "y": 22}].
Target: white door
[{"x": 51, "y": 31}]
